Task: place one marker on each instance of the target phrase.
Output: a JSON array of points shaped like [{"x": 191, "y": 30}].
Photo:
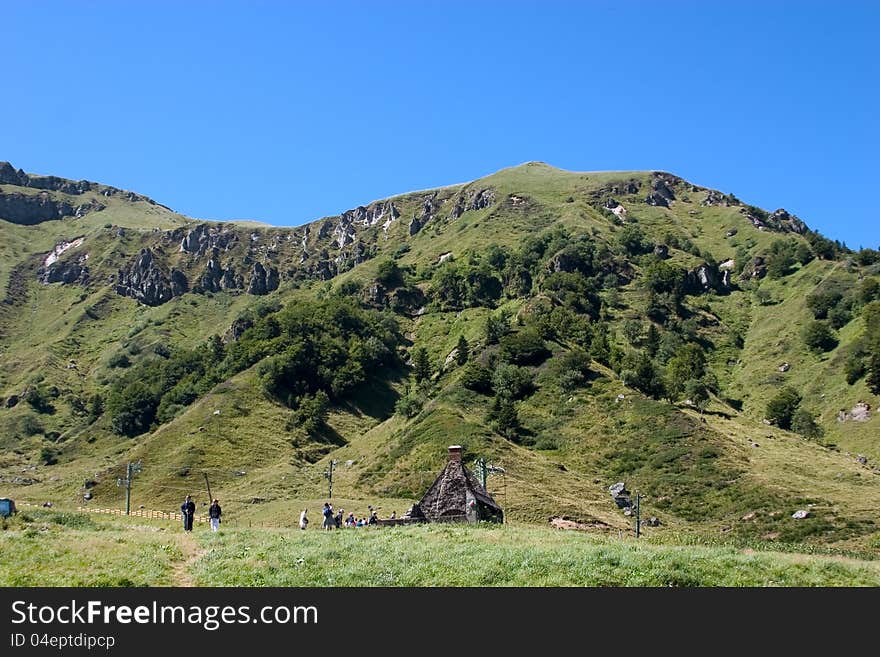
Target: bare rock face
[
  {"x": 67, "y": 273},
  {"x": 657, "y": 200},
  {"x": 663, "y": 187},
  {"x": 661, "y": 251},
  {"x": 263, "y": 280},
  {"x": 32, "y": 209},
  {"x": 783, "y": 221},
  {"x": 716, "y": 198},
  {"x": 216, "y": 278},
  {"x": 371, "y": 215},
  {"x": 147, "y": 283},
  {"x": 415, "y": 225},
  {"x": 473, "y": 200},
  {"x": 204, "y": 238},
  {"x": 705, "y": 278}
]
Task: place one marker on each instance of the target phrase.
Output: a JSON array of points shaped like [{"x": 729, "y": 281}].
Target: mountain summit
[{"x": 578, "y": 330}]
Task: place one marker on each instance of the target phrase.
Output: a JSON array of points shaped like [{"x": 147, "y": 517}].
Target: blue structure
[{"x": 7, "y": 507}]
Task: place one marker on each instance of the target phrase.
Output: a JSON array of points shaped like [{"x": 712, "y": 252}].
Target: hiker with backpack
[{"x": 329, "y": 522}]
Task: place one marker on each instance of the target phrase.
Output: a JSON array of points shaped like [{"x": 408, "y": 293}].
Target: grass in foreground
[
  {"x": 447, "y": 555},
  {"x": 48, "y": 548}
]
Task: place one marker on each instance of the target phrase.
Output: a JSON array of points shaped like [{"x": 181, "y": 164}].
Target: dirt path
[{"x": 180, "y": 575}]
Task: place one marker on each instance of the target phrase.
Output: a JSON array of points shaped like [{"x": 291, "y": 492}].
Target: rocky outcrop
[
  {"x": 371, "y": 215},
  {"x": 757, "y": 268},
  {"x": 662, "y": 186},
  {"x": 661, "y": 251},
  {"x": 716, "y": 198},
  {"x": 706, "y": 278},
  {"x": 216, "y": 278},
  {"x": 205, "y": 237},
  {"x": 263, "y": 280},
  {"x": 239, "y": 326},
  {"x": 32, "y": 209},
  {"x": 10, "y": 176},
  {"x": 147, "y": 283},
  {"x": 415, "y": 225},
  {"x": 782, "y": 221},
  {"x": 67, "y": 273},
  {"x": 657, "y": 200},
  {"x": 470, "y": 200}
]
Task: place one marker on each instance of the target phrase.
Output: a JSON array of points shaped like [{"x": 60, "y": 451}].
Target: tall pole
[
  {"x": 481, "y": 470},
  {"x": 208, "y": 484},
  {"x": 128, "y": 489},
  {"x": 329, "y": 475},
  {"x": 638, "y": 515}
]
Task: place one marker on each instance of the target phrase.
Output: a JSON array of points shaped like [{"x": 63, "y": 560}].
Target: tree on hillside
[
  {"x": 804, "y": 423},
  {"x": 652, "y": 341},
  {"x": 782, "y": 407},
  {"x": 504, "y": 418},
  {"x": 477, "y": 377},
  {"x": 464, "y": 351},
  {"x": 524, "y": 347},
  {"x": 873, "y": 378},
  {"x": 819, "y": 337},
  {"x": 781, "y": 259},
  {"x": 389, "y": 274},
  {"x": 698, "y": 392},
  {"x": 496, "y": 327},
  {"x": 688, "y": 363},
  {"x": 421, "y": 364}
]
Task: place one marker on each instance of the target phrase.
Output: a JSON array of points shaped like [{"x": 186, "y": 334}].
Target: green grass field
[{"x": 49, "y": 548}]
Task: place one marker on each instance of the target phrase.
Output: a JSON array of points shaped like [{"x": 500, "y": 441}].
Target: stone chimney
[{"x": 455, "y": 452}]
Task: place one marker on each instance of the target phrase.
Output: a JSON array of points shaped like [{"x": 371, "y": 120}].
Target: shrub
[
  {"x": 512, "y": 382},
  {"x": 477, "y": 377},
  {"x": 822, "y": 302},
  {"x": 802, "y": 422},
  {"x": 504, "y": 418},
  {"x": 525, "y": 347},
  {"x": 409, "y": 405},
  {"x": 819, "y": 337},
  {"x": 311, "y": 413},
  {"x": 782, "y": 407},
  {"x": 389, "y": 274},
  {"x": 119, "y": 360}
]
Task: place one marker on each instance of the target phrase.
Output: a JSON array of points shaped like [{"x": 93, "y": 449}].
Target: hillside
[{"x": 620, "y": 326}]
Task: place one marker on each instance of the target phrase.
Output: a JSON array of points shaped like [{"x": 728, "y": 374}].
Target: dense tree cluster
[{"x": 312, "y": 353}]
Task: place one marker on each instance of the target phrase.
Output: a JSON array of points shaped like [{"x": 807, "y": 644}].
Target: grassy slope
[{"x": 709, "y": 473}]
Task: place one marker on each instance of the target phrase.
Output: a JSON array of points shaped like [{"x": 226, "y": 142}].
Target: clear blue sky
[{"x": 285, "y": 112}]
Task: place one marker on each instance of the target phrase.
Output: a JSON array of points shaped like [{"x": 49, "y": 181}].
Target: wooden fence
[{"x": 144, "y": 513}]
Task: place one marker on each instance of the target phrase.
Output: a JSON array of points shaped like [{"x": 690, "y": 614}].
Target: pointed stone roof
[{"x": 454, "y": 488}]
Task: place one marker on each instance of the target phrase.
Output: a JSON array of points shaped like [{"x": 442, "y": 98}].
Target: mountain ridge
[{"x": 590, "y": 262}]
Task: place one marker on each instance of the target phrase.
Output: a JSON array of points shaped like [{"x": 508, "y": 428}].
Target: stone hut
[{"x": 457, "y": 496}]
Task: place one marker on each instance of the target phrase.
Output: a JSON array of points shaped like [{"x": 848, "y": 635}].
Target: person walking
[
  {"x": 303, "y": 519},
  {"x": 329, "y": 523},
  {"x": 188, "y": 511},
  {"x": 214, "y": 514}
]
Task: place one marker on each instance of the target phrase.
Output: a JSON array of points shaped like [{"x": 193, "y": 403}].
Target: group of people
[
  {"x": 338, "y": 519},
  {"x": 188, "y": 513},
  {"x": 331, "y": 519}
]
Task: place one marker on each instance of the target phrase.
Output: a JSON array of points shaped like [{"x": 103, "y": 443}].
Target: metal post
[
  {"x": 482, "y": 471},
  {"x": 638, "y": 515},
  {"x": 329, "y": 475},
  {"x": 128, "y": 489}
]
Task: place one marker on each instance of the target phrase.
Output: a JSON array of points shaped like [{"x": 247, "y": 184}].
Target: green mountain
[{"x": 574, "y": 329}]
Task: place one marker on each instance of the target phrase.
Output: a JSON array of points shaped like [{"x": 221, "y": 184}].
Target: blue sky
[{"x": 285, "y": 112}]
